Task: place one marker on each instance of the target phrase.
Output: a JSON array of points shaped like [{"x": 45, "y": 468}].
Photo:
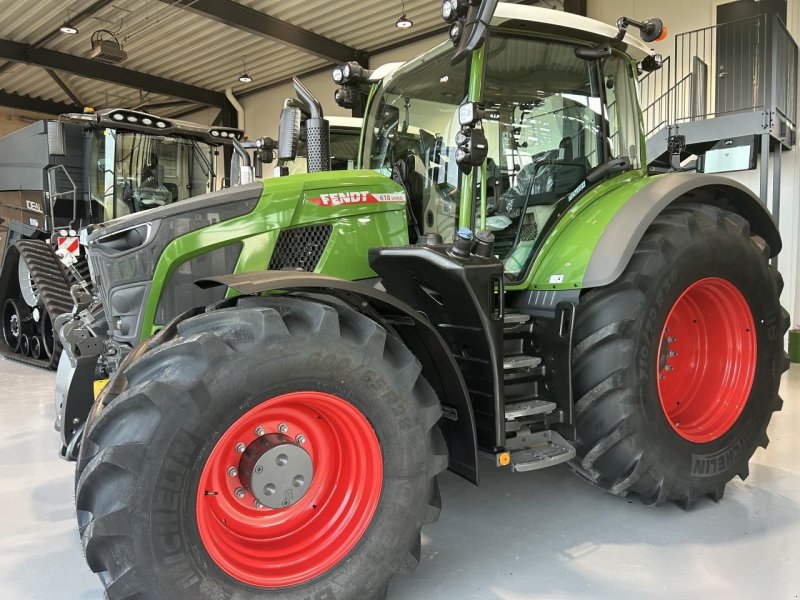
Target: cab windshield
[
  {"x": 412, "y": 122},
  {"x": 130, "y": 171},
  {"x": 551, "y": 118}
]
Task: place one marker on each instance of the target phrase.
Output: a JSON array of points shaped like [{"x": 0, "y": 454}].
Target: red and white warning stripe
[{"x": 69, "y": 245}]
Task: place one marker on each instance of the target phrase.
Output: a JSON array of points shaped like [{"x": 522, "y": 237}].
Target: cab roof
[{"x": 567, "y": 24}]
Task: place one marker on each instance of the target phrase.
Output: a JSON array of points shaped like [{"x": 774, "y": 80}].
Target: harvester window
[{"x": 132, "y": 171}]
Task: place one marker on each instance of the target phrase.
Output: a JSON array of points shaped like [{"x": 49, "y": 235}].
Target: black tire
[
  {"x": 626, "y": 444},
  {"x": 181, "y": 397}
]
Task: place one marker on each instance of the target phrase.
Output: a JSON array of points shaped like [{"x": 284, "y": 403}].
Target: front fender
[{"x": 438, "y": 365}]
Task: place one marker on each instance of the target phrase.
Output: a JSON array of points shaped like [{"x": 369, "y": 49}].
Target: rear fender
[
  {"x": 593, "y": 243},
  {"x": 615, "y": 247},
  {"x": 438, "y": 365}
]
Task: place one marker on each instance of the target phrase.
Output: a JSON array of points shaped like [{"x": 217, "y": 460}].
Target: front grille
[{"x": 300, "y": 248}]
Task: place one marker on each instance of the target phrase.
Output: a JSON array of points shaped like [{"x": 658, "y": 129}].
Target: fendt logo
[{"x": 340, "y": 198}]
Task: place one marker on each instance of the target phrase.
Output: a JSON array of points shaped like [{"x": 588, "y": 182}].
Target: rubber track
[{"x": 53, "y": 287}]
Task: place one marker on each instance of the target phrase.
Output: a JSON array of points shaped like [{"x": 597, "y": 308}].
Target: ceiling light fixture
[
  {"x": 68, "y": 27},
  {"x": 404, "y": 22},
  {"x": 245, "y": 77}
]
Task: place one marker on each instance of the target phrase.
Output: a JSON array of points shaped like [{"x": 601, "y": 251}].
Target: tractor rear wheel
[
  {"x": 282, "y": 449},
  {"x": 676, "y": 365}
]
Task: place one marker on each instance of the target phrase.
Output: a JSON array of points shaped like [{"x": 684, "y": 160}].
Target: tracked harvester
[
  {"x": 61, "y": 175},
  {"x": 294, "y": 361}
]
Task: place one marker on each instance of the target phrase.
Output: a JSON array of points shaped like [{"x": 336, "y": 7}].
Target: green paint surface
[
  {"x": 285, "y": 203},
  {"x": 466, "y": 204},
  {"x": 566, "y": 252}
]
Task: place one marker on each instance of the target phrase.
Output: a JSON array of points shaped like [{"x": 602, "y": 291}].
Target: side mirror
[
  {"x": 653, "y": 30},
  {"x": 289, "y": 132}
]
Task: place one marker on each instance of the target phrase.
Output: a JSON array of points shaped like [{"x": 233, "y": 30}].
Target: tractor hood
[
  {"x": 307, "y": 222},
  {"x": 286, "y": 200}
]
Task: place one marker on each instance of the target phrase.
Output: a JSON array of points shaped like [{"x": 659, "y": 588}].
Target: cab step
[
  {"x": 512, "y": 319},
  {"x": 548, "y": 449},
  {"x": 528, "y": 408},
  {"x": 520, "y": 361}
]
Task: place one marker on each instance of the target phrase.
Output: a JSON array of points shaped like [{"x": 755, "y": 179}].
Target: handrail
[
  {"x": 746, "y": 65},
  {"x": 54, "y": 194}
]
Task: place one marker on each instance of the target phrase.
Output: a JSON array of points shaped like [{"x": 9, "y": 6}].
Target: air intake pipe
[
  {"x": 318, "y": 133},
  {"x": 246, "y": 174}
]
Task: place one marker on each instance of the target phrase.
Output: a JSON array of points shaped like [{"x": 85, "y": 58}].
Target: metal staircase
[{"x": 726, "y": 88}]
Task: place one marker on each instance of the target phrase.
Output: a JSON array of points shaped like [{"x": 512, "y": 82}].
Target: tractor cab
[{"x": 550, "y": 115}]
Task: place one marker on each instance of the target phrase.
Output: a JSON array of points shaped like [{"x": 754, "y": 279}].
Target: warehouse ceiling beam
[
  {"x": 76, "y": 18},
  {"x": 146, "y": 106},
  {"x": 84, "y": 67},
  {"x": 65, "y": 88},
  {"x": 38, "y": 105},
  {"x": 258, "y": 23}
]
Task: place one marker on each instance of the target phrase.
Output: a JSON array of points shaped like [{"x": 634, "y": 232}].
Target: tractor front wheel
[
  {"x": 676, "y": 365},
  {"x": 279, "y": 449}
]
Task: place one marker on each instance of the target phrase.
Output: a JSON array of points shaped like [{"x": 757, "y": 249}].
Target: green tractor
[{"x": 295, "y": 361}]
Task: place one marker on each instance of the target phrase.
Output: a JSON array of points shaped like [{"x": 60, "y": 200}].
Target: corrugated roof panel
[
  {"x": 31, "y": 81},
  {"x": 177, "y": 44},
  {"x": 363, "y": 25},
  {"x": 20, "y": 25}
]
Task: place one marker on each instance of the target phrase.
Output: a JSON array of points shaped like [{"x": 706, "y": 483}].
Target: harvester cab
[
  {"x": 59, "y": 176},
  {"x": 502, "y": 277}
]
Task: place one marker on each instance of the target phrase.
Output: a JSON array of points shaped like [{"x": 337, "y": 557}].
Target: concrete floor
[{"x": 543, "y": 535}]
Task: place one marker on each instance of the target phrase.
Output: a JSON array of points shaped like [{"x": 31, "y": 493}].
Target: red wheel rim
[
  {"x": 706, "y": 360},
  {"x": 282, "y": 547}
]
